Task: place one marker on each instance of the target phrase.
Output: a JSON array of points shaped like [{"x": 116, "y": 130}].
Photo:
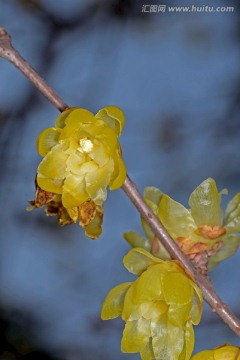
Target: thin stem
[
  {"x": 130, "y": 189},
  {"x": 9, "y": 53}
]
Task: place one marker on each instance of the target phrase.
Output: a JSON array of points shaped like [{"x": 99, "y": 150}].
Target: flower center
[
  {"x": 210, "y": 232},
  {"x": 86, "y": 145}
]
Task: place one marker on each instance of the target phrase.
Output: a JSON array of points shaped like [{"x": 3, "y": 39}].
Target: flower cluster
[
  {"x": 201, "y": 231},
  {"x": 159, "y": 308},
  {"x": 224, "y": 352},
  {"x": 82, "y": 156}
]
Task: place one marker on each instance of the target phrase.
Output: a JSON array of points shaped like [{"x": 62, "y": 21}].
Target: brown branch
[
  {"x": 209, "y": 294},
  {"x": 9, "y": 53}
]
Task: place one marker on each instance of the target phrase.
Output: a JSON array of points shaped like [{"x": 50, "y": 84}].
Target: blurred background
[{"x": 177, "y": 78}]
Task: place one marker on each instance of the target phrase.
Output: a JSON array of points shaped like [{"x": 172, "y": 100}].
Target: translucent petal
[
  {"x": 99, "y": 153},
  {"x": 147, "y": 352},
  {"x": 175, "y": 217},
  {"x": 100, "y": 132},
  {"x": 74, "y": 191},
  {"x": 78, "y": 116},
  {"x": 205, "y": 203},
  {"x": 189, "y": 341},
  {"x": 153, "y": 194},
  {"x": 50, "y": 185},
  {"x": 176, "y": 288},
  {"x": 229, "y": 247},
  {"x": 197, "y": 306},
  {"x": 227, "y": 352},
  {"x": 53, "y": 165},
  {"x": 113, "y": 304},
  {"x": 119, "y": 174},
  {"x": 136, "y": 240},
  {"x": 74, "y": 163},
  {"x": 106, "y": 136},
  {"x": 97, "y": 181},
  {"x": 113, "y": 117},
  {"x": 60, "y": 121},
  {"x": 135, "y": 335},
  {"x": 77, "y": 120},
  {"x": 88, "y": 167},
  {"x": 175, "y": 340},
  {"x": 224, "y": 352},
  {"x": 179, "y": 314},
  {"x": 159, "y": 334},
  {"x": 47, "y": 139},
  {"x": 153, "y": 309},
  {"x": 94, "y": 229},
  {"x": 130, "y": 307},
  {"x": 137, "y": 260},
  {"x": 204, "y": 355},
  {"x": 232, "y": 216},
  {"x": 148, "y": 286}
]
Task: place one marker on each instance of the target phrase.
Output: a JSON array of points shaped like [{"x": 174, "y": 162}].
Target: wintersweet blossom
[
  {"x": 159, "y": 308},
  {"x": 202, "y": 232},
  {"x": 82, "y": 157}
]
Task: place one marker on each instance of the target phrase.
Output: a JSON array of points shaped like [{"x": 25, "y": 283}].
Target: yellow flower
[
  {"x": 82, "y": 156},
  {"x": 159, "y": 308},
  {"x": 201, "y": 231},
  {"x": 224, "y": 352}
]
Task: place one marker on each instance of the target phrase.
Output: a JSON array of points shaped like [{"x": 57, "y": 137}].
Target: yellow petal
[
  {"x": 189, "y": 341},
  {"x": 175, "y": 217},
  {"x": 94, "y": 229},
  {"x": 147, "y": 352},
  {"x": 74, "y": 163},
  {"x": 159, "y": 339},
  {"x": 119, "y": 174},
  {"x": 204, "y": 355},
  {"x": 227, "y": 352},
  {"x": 130, "y": 308},
  {"x": 76, "y": 121},
  {"x": 205, "y": 203},
  {"x": 50, "y": 185},
  {"x": 138, "y": 260},
  {"x": 113, "y": 117},
  {"x": 47, "y": 139},
  {"x": 60, "y": 121},
  {"x": 97, "y": 181},
  {"x": 197, "y": 306},
  {"x": 54, "y": 163},
  {"x": 99, "y": 153},
  {"x": 175, "y": 340},
  {"x": 229, "y": 247},
  {"x": 232, "y": 217},
  {"x": 153, "y": 309},
  {"x": 148, "y": 286},
  {"x": 152, "y": 194},
  {"x": 136, "y": 335},
  {"x": 102, "y": 133},
  {"x": 179, "y": 314},
  {"x": 136, "y": 240},
  {"x": 74, "y": 191},
  {"x": 113, "y": 304},
  {"x": 176, "y": 288}
]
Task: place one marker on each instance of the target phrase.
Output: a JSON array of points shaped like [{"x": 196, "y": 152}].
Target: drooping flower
[
  {"x": 159, "y": 308},
  {"x": 82, "y": 156},
  {"x": 201, "y": 231},
  {"x": 224, "y": 352}
]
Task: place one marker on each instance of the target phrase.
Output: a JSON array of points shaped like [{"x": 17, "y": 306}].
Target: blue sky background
[{"x": 177, "y": 78}]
